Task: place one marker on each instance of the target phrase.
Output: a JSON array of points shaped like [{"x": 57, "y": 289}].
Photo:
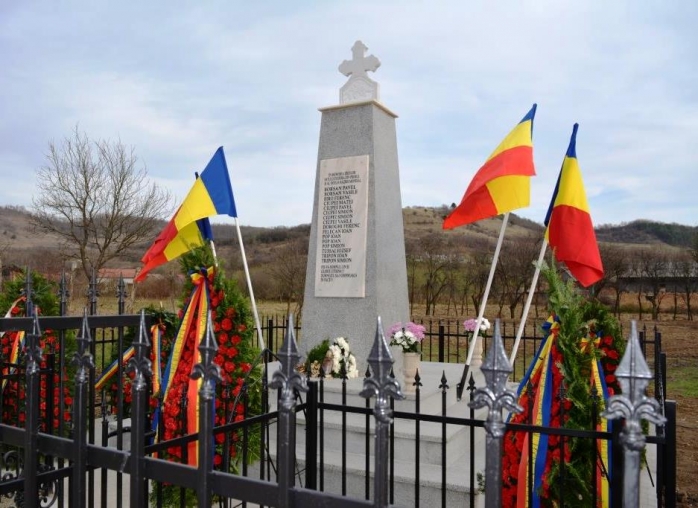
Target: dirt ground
[{"x": 680, "y": 341}]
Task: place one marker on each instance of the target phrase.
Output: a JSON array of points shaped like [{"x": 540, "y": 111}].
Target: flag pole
[
  {"x": 461, "y": 386},
  {"x": 213, "y": 251},
  {"x": 527, "y": 306},
  {"x": 249, "y": 286}
]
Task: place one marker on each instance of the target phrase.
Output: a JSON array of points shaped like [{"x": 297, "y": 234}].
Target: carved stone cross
[
  {"x": 360, "y": 87},
  {"x": 359, "y": 64}
]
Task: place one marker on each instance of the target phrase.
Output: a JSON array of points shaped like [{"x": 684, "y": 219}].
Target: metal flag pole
[
  {"x": 471, "y": 349},
  {"x": 527, "y": 306},
  {"x": 249, "y": 286}
]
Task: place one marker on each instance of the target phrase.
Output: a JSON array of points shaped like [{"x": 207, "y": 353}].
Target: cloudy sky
[{"x": 178, "y": 79}]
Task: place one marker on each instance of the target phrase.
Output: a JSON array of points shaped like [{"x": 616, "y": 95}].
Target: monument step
[
  {"x": 430, "y": 394},
  {"x": 457, "y": 485}
]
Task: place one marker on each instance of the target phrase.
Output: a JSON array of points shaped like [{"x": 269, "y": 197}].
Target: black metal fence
[
  {"x": 446, "y": 341},
  {"x": 75, "y": 463}
]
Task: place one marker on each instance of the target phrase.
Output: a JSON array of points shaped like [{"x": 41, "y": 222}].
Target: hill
[
  {"x": 19, "y": 240},
  {"x": 648, "y": 232}
]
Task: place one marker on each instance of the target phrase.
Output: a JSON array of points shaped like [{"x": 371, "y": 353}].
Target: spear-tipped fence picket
[{"x": 45, "y": 466}]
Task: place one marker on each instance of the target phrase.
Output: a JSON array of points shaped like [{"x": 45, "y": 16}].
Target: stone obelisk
[{"x": 356, "y": 257}]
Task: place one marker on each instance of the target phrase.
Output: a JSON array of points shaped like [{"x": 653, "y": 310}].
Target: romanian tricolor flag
[
  {"x": 211, "y": 195},
  {"x": 569, "y": 229},
  {"x": 503, "y": 183}
]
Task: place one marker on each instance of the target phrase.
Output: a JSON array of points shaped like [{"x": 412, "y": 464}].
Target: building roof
[{"x": 115, "y": 273}]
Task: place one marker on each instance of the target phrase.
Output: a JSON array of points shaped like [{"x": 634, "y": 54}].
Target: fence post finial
[
  {"x": 383, "y": 386},
  {"x": 82, "y": 358},
  {"x": 496, "y": 396},
  {"x": 289, "y": 380},
  {"x": 632, "y": 404},
  {"x": 207, "y": 369},
  {"x": 210, "y": 374},
  {"x": 140, "y": 363}
]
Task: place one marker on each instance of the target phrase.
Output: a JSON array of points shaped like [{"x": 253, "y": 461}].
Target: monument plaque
[{"x": 342, "y": 219}]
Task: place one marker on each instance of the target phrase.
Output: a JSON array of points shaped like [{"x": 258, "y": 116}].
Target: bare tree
[
  {"x": 93, "y": 196},
  {"x": 654, "y": 264},
  {"x": 434, "y": 260},
  {"x": 685, "y": 272},
  {"x": 617, "y": 267},
  {"x": 288, "y": 270},
  {"x": 478, "y": 271},
  {"x": 412, "y": 260},
  {"x": 515, "y": 270}
]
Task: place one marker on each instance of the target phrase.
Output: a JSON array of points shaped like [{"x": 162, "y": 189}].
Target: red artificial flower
[
  {"x": 227, "y": 324},
  {"x": 610, "y": 379},
  {"x": 236, "y": 339},
  {"x": 612, "y": 354},
  {"x": 222, "y": 338}
]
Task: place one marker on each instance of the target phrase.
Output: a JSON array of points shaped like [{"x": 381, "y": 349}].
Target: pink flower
[{"x": 470, "y": 325}]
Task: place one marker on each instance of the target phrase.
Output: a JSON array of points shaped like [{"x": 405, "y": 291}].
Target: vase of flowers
[
  {"x": 405, "y": 340},
  {"x": 470, "y": 325}
]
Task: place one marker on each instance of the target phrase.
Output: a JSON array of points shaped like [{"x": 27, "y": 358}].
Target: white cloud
[{"x": 178, "y": 81}]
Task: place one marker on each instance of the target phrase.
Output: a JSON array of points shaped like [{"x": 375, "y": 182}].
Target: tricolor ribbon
[
  {"x": 194, "y": 320},
  {"x": 15, "y": 347},
  {"x": 541, "y": 379},
  {"x": 603, "y": 456},
  {"x": 109, "y": 372}
]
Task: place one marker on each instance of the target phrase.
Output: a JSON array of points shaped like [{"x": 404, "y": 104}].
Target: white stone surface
[{"x": 360, "y": 87}]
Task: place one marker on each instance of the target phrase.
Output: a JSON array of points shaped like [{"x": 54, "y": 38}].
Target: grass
[{"x": 683, "y": 381}]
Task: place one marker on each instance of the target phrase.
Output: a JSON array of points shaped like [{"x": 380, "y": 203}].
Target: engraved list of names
[{"x": 342, "y": 213}]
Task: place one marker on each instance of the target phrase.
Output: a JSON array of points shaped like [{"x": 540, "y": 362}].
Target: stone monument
[{"x": 356, "y": 257}]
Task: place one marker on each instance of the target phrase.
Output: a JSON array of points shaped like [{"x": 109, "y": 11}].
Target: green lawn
[{"x": 682, "y": 381}]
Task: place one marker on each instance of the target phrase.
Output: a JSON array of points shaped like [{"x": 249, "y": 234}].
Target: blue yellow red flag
[
  {"x": 569, "y": 229},
  {"x": 212, "y": 194}
]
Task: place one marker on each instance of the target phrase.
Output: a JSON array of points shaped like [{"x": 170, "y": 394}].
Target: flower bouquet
[
  {"x": 471, "y": 324},
  {"x": 409, "y": 336},
  {"x": 327, "y": 359}
]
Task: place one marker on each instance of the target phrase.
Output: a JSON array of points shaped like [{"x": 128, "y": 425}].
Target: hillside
[
  {"x": 648, "y": 232},
  {"x": 17, "y": 235}
]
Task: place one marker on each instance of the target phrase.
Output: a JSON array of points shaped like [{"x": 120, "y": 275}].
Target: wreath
[
  {"x": 13, "y": 303},
  {"x": 574, "y": 371}
]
